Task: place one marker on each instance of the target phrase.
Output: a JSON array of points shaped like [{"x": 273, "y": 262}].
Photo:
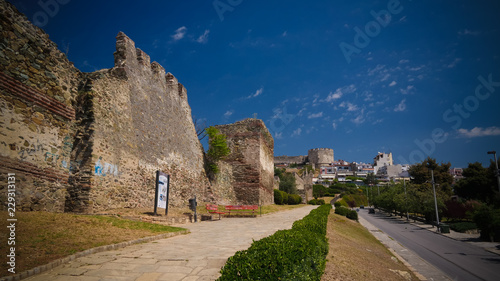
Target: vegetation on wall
[{"x": 217, "y": 149}]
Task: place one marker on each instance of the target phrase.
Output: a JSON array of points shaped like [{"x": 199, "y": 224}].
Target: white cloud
[
  {"x": 278, "y": 135},
  {"x": 401, "y": 106},
  {"x": 454, "y": 63},
  {"x": 204, "y": 37},
  {"x": 284, "y": 34},
  {"x": 297, "y": 132},
  {"x": 468, "y": 32},
  {"x": 479, "y": 132},
  {"x": 408, "y": 90},
  {"x": 378, "y": 68},
  {"x": 404, "y": 61},
  {"x": 179, "y": 33},
  {"x": 387, "y": 76},
  {"x": 316, "y": 115},
  {"x": 228, "y": 113},
  {"x": 358, "y": 120},
  {"x": 340, "y": 92},
  {"x": 393, "y": 83},
  {"x": 256, "y": 94},
  {"x": 349, "y": 106},
  {"x": 336, "y": 122}
]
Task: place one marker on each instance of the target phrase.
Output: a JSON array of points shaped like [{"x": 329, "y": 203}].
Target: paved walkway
[{"x": 197, "y": 256}]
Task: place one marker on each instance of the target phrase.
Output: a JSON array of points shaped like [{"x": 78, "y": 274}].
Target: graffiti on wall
[{"x": 102, "y": 168}]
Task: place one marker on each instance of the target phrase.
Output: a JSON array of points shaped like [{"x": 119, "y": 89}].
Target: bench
[
  {"x": 214, "y": 209},
  {"x": 238, "y": 209}
]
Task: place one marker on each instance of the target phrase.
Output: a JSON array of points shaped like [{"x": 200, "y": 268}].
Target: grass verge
[
  {"x": 42, "y": 237},
  {"x": 355, "y": 254}
]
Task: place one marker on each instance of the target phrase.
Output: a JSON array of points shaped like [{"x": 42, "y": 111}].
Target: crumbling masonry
[{"x": 86, "y": 142}]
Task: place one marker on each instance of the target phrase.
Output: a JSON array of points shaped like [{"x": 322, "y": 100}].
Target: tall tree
[
  {"x": 421, "y": 174},
  {"x": 478, "y": 183}
]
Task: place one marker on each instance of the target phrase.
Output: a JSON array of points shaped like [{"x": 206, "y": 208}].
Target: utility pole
[
  {"x": 435, "y": 199},
  {"x": 497, "y": 172},
  {"x": 406, "y": 200}
]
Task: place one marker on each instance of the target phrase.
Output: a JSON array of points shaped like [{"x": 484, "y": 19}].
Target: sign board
[{"x": 162, "y": 190}]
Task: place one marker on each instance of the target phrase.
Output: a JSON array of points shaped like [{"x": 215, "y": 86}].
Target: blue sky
[{"x": 415, "y": 78}]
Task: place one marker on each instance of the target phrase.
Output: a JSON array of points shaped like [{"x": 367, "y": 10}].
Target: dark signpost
[{"x": 161, "y": 191}]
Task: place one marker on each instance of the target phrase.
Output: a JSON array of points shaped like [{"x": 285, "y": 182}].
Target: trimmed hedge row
[
  {"x": 294, "y": 254},
  {"x": 281, "y": 197},
  {"x": 343, "y": 211},
  {"x": 316, "y": 202}
]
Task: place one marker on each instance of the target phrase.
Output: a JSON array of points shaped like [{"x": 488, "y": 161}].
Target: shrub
[
  {"x": 341, "y": 211},
  {"x": 353, "y": 215},
  {"x": 337, "y": 204},
  {"x": 294, "y": 199},
  {"x": 316, "y": 202},
  {"x": 278, "y": 197},
  {"x": 487, "y": 220},
  {"x": 285, "y": 197},
  {"x": 294, "y": 254},
  {"x": 463, "y": 226}
]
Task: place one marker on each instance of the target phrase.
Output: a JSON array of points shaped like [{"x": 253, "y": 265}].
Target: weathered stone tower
[
  {"x": 251, "y": 168},
  {"x": 320, "y": 156}
]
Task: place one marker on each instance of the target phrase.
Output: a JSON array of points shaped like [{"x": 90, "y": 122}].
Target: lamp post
[
  {"x": 496, "y": 164},
  {"x": 435, "y": 199},
  {"x": 406, "y": 200}
]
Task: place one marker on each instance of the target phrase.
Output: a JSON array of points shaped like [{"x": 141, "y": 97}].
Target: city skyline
[{"x": 415, "y": 78}]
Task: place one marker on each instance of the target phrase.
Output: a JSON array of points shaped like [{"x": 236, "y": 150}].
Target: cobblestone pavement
[{"x": 196, "y": 256}]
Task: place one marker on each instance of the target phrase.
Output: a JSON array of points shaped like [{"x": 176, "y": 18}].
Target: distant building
[
  {"x": 381, "y": 160},
  {"x": 456, "y": 173}
]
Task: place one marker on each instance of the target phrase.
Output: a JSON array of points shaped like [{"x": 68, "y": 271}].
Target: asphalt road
[{"x": 459, "y": 260}]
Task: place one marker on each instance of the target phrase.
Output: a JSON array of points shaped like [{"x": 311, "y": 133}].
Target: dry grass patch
[
  {"x": 42, "y": 237},
  {"x": 355, "y": 254}
]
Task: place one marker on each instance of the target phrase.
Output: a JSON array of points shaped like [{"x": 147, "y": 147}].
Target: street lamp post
[
  {"x": 496, "y": 164},
  {"x": 435, "y": 199},
  {"x": 406, "y": 201}
]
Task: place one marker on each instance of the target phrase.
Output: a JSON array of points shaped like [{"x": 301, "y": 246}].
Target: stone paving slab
[{"x": 197, "y": 256}]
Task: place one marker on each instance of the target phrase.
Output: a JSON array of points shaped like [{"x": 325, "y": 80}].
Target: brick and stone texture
[
  {"x": 38, "y": 86},
  {"x": 305, "y": 186},
  {"x": 251, "y": 160},
  {"x": 88, "y": 142},
  {"x": 320, "y": 156}
]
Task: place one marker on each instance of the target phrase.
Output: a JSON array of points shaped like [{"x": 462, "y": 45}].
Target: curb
[
  {"x": 52, "y": 265},
  {"x": 400, "y": 258}
]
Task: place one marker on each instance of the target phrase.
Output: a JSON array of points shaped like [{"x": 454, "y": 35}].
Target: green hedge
[
  {"x": 463, "y": 226},
  {"x": 350, "y": 214},
  {"x": 294, "y": 254},
  {"x": 294, "y": 199},
  {"x": 316, "y": 202},
  {"x": 278, "y": 197},
  {"x": 281, "y": 197}
]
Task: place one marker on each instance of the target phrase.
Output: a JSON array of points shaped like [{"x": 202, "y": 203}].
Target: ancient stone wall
[
  {"x": 141, "y": 123},
  {"x": 320, "y": 156},
  {"x": 251, "y": 158},
  {"x": 290, "y": 159},
  {"x": 38, "y": 86},
  {"x": 86, "y": 142},
  {"x": 304, "y": 186}
]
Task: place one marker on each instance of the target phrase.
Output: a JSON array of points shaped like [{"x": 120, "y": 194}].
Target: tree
[
  {"x": 287, "y": 183},
  {"x": 217, "y": 149},
  {"x": 479, "y": 183},
  {"x": 370, "y": 179},
  {"x": 421, "y": 174}
]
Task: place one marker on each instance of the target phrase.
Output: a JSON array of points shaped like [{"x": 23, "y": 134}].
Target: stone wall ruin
[{"x": 86, "y": 142}]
